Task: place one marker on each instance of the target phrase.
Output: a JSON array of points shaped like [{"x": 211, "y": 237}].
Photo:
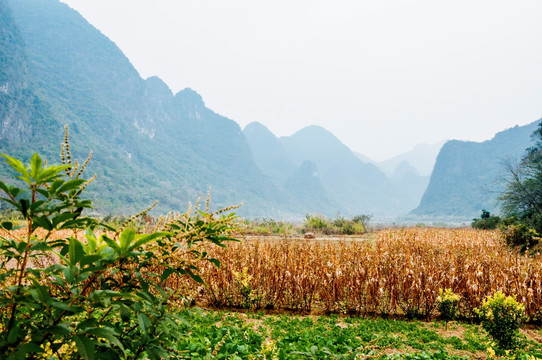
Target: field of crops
[{"x": 396, "y": 273}]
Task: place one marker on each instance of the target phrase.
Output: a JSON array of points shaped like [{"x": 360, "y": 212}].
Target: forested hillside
[{"x": 469, "y": 176}]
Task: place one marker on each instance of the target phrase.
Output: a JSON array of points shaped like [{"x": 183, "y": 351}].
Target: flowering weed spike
[
  {"x": 208, "y": 200},
  {"x": 80, "y": 172}
]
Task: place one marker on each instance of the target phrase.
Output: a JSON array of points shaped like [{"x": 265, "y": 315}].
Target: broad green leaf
[
  {"x": 146, "y": 238},
  {"x": 52, "y": 172},
  {"x": 35, "y": 166},
  {"x": 14, "y": 333},
  {"x": 85, "y": 347},
  {"x": 90, "y": 259},
  {"x": 195, "y": 277},
  {"x": 166, "y": 273},
  {"x": 7, "y": 225},
  {"x": 112, "y": 244},
  {"x": 92, "y": 243},
  {"x": 40, "y": 246},
  {"x": 76, "y": 251},
  {"x": 125, "y": 313},
  {"x": 60, "y": 329},
  {"x": 106, "y": 333},
  {"x": 18, "y": 166},
  {"x": 143, "y": 322},
  {"x": 126, "y": 239},
  {"x": 4, "y": 187},
  {"x": 61, "y": 218},
  {"x": 63, "y": 306},
  {"x": 26, "y": 349},
  {"x": 69, "y": 275},
  {"x": 155, "y": 353},
  {"x": 70, "y": 185},
  {"x": 42, "y": 222},
  {"x": 215, "y": 262},
  {"x": 24, "y": 203},
  {"x": 71, "y": 252},
  {"x": 40, "y": 293}
]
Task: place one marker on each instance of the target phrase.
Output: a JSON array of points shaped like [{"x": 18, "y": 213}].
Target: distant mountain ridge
[
  {"x": 422, "y": 157},
  {"x": 151, "y": 144},
  {"x": 468, "y": 176},
  {"x": 148, "y": 143},
  {"x": 345, "y": 183}
]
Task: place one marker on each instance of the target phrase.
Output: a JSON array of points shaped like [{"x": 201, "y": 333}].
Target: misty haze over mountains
[{"x": 148, "y": 143}]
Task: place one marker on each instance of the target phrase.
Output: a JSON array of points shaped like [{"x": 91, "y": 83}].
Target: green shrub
[
  {"x": 518, "y": 234},
  {"x": 363, "y": 219},
  {"x": 268, "y": 227},
  {"x": 486, "y": 221},
  {"x": 317, "y": 224},
  {"x": 501, "y": 317},
  {"x": 102, "y": 298},
  {"x": 337, "y": 226},
  {"x": 448, "y": 304}
]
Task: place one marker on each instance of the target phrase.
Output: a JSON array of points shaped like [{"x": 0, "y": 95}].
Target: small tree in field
[{"x": 523, "y": 195}]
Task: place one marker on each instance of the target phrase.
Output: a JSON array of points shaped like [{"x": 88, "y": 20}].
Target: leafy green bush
[
  {"x": 102, "y": 298},
  {"x": 448, "y": 304},
  {"x": 518, "y": 234},
  {"x": 501, "y": 317},
  {"x": 486, "y": 221},
  {"x": 269, "y": 227},
  {"x": 337, "y": 226},
  {"x": 316, "y": 223}
]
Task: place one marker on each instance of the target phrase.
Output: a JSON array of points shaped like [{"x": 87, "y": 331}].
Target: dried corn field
[{"x": 399, "y": 273}]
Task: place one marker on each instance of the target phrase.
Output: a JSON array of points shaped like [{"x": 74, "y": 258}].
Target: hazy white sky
[{"x": 382, "y": 75}]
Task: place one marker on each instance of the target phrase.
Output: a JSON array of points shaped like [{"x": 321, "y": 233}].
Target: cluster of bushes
[
  {"x": 317, "y": 224},
  {"x": 500, "y": 315},
  {"x": 486, "y": 221},
  {"x": 516, "y": 232},
  {"x": 269, "y": 227},
  {"x": 338, "y": 226}
]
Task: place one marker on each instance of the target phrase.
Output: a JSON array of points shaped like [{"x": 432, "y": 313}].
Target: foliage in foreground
[
  {"x": 95, "y": 299},
  {"x": 258, "y": 336},
  {"x": 501, "y": 317},
  {"x": 448, "y": 304}
]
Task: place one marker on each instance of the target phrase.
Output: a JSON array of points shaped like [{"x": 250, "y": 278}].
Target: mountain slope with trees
[
  {"x": 468, "y": 176},
  {"x": 147, "y": 142},
  {"x": 151, "y": 144}
]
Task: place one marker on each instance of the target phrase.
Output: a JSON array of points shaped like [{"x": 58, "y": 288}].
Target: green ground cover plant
[{"x": 228, "y": 335}]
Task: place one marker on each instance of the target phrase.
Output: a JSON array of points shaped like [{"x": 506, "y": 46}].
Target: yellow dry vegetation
[
  {"x": 394, "y": 272},
  {"x": 399, "y": 272}
]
